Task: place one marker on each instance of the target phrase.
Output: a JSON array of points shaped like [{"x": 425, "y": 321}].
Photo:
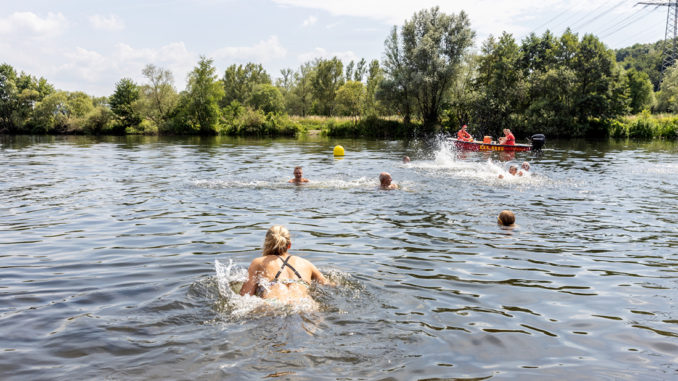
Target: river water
[{"x": 121, "y": 258}]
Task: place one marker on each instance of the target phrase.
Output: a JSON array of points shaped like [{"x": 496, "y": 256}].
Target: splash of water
[
  {"x": 229, "y": 279},
  {"x": 446, "y": 160}
]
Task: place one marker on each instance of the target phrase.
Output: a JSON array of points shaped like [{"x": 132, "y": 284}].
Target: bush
[
  {"x": 98, "y": 121},
  {"x": 618, "y": 129},
  {"x": 146, "y": 127},
  {"x": 598, "y": 128},
  {"x": 642, "y": 128},
  {"x": 667, "y": 127},
  {"x": 249, "y": 122}
]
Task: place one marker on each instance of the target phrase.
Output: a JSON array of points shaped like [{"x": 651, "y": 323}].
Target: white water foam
[
  {"x": 230, "y": 276},
  {"x": 359, "y": 183},
  {"x": 447, "y": 161}
]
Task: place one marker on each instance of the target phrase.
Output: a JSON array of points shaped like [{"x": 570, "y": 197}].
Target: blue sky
[{"x": 89, "y": 45}]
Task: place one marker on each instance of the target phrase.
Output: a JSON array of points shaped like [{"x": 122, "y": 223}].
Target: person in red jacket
[
  {"x": 508, "y": 138},
  {"x": 463, "y": 135}
]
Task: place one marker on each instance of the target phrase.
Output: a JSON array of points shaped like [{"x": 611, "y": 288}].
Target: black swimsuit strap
[{"x": 288, "y": 265}]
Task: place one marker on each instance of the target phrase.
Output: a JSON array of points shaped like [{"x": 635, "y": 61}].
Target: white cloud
[
  {"x": 29, "y": 24},
  {"x": 112, "y": 22},
  {"x": 86, "y": 64},
  {"x": 262, "y": 52},
  {"x": 95, "y": 72},
  {"x": 309, "y": 21},
  {"x": 174, "y": 57},
  {"x": 323, "y": 53}
]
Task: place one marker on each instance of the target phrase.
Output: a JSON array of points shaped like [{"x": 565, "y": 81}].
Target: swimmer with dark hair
[
  {"x": 506, "y": 218},
  {"x": 406, "y": 159}
]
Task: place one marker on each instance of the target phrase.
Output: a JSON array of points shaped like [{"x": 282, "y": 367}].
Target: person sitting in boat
[
  {"x": 463, "y": 135},
  {"x": 513, "y": 170},
  {"x": 298, "y": 176},
  {"x": 508, "y": 138},
  {"x": 279, "y": 275},
  {"x": 506, "y": 218},
  {"x": 385, "y": 181}
]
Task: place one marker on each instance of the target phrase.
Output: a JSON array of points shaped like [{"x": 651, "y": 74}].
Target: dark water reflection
[{"x": 108, "y": 249}]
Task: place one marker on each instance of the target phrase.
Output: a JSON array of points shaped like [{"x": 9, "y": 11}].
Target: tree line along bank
[{"x": 429, "y": 80}]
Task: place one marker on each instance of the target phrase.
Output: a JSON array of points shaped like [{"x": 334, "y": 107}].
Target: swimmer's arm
[
  {"x": 317, "y": 276},
  {"x": 250, "y": 286}
]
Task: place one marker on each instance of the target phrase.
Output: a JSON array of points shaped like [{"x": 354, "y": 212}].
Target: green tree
[
  {"x": 158, "y": 98},
  {"x": 374, "y": 77},
  {"x": 360, "y": 70},
  {"x": 238, "y": 82},
  {"x": 326, "y": 79},
  {"x": 79, "y": 104},
  {"x": 501, "y": 86},
  {"x": 593, "y": 66},
  {"x": 299, "y": 99},
  {"x": 646, "y": 58},
  {"x": 267, "y": 98},
  {"x": 551, "y": 101},
  {"x": 463, "y": 98},
  {"x": 538, "y": 54},
  {"x": 52, "y": 114},
  {"x": 122, "y": 104},
  {"x": 203, "y": 94},
  {"x": 397, "y": 88},
  {"x": 667, "y": 97},
  {"x": 433, "y": 46},
  {"x": 640, "y": 91},
  {"x": 349, "y": 70},
  {"x": 350, "y": 98}
]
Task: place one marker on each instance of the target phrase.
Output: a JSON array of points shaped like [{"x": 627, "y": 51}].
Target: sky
[{"x": 89, "y": 45}]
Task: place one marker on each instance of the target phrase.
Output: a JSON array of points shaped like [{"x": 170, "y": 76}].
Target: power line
[
  {"x": 618, "y": 39},
  {"x": 596, "y": 17},
  {"x": 549, "y": 21},
  {"x": 565, "y": 21},
  {"x": 625, "y": 22}
]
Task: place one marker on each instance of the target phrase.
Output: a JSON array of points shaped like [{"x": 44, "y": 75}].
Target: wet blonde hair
[
  {"x": 506, "y": 218},
  {"x": 277, "y": 240}
]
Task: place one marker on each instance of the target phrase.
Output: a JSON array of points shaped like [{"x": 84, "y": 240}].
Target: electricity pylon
[{"x": 668, "y": 56}]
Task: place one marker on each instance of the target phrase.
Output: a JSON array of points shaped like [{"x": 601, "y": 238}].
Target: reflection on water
[{"x": 122, "y": 258}]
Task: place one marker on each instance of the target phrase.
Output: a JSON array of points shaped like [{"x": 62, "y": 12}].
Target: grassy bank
[{"x": 646, "y": 126}]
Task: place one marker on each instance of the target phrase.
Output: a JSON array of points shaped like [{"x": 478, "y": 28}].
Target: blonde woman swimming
[{"x": 279, "y": 275}]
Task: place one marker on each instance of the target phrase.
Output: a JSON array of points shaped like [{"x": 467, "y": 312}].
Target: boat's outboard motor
[{"x": 538, "y": 141}]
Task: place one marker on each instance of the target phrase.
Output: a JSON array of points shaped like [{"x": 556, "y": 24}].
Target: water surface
[{"x": 121, "y": 259}]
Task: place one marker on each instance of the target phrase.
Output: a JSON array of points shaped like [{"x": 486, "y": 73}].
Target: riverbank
[{"x": 253, "y": 123}]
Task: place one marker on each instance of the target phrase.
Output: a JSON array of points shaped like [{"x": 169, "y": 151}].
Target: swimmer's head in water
[
  {"x": 506, "y": 218},
  {"x": 406, "y": 159},
  {"x": 385, "y": 179},
  {"x": 277, "y": 240},
  {"x": 525, "y": 166},
  {"x": 513, "y": 170},
  {"x": 298, "y": 173}
]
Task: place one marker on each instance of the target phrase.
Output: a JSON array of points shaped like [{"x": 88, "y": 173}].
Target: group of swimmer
[
  {"x": 279, "y": 276},
  {"x": 385, "y": 180},
  {"x": 513, "y": 170}
]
